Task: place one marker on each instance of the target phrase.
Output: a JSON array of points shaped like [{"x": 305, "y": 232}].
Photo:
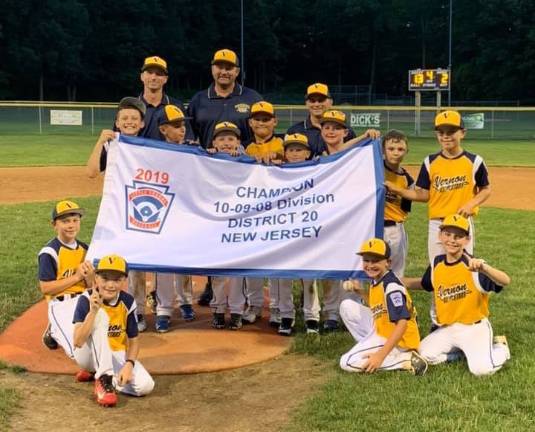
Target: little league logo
[{"x": 147, "y": 205}]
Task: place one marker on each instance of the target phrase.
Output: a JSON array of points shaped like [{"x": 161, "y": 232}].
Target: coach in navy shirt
[
  {"x": 224, "y": 100},
  {"x": 318, "y": 100},
  {"x": 154, "y": 76}
]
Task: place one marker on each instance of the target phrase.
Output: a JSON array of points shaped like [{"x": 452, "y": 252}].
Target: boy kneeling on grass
[
  {"x": 386, "y": 332},
  {"x": 461, "y": 285},
  {"x": 106, "y": 336}
]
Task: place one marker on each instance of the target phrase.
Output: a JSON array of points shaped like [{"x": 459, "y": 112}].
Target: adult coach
[
  {"x": 154, "y": 76},
  {"x": 224, "y": 100},
  {"x": 317, "y": 100}
]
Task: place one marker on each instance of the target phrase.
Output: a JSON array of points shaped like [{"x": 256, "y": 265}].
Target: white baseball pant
[
  {"x": 96, "y": 356},
  {"x": 281, "y": 298},
  {"x": 359, "y": 321},
  {"x": 136, "y": 287},
  {"x": 235, "y": 299},
  {"x": 60, "y": 314},
  {"x": 397, "y": 239},
  {"x": 255, "y": 291},
  {"x": 332, "y": 292},
  {"x": 169, "y": 286},
  {"x": 484, "y": 357},
  {"x": 435, "y": 248}
]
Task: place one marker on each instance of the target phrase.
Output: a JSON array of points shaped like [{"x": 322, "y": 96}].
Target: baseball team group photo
[{"x": 292, "y": 254}]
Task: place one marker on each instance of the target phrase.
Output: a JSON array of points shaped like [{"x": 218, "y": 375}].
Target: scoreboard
[{"x": 429, "y": 79}]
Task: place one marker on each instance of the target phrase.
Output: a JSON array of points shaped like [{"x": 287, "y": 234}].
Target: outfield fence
[{"x": 89, "y": 118}]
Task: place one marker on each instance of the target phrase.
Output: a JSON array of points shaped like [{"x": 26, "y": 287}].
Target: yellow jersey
[
  {"x": 396, "y": 208},
  {"x": 273, "y": 145},
  {"x": 451, "y": 182},
  {"x": 59, "y": 261},
  {"x": 121, "y": 314},
  {"x": 460, "y": 295},
  {"x": 390, "y": 302}
]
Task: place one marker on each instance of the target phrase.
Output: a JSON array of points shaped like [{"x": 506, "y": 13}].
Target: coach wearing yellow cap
[
  {"x": 224, "y": 100},
  {"x": 154, "y": 75},
  {"x": 318, "y": 99}
]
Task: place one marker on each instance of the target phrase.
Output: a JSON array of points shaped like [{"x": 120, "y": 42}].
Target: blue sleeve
[
  {"x": 426, "y": 280},
  {"x": 350, "y": 134},
  {"x": 48, "y": 269},
  {"x": 131, "y": 325},
  {"x": 82, "y": 309},
  {"x": 488, "y": 284},
  {"x": 482, "y": 176},
  {"x": 396, "y": 303},
  {"x": 423, "y": 180}
]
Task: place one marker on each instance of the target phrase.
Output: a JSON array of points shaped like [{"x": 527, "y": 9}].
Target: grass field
[
  {"x": 44, "y": 150},
  {"x": 447, "y": 399}
]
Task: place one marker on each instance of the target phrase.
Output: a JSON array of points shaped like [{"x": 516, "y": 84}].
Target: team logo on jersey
[
  {"x": 445, "y": 184},
  {"x": 242, "y": 108},
  {"x": 147, "y": 205},
  {"x": 114, "y": 330},
  {"x": 452, "y": 293}
]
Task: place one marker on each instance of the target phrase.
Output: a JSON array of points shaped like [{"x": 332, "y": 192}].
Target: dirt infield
[{"x": 511, "y": 187}]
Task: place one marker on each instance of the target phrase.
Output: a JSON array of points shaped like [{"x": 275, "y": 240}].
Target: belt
[
  {"x": 66, "y": 296},
  {"x": 389, "y": 223}
]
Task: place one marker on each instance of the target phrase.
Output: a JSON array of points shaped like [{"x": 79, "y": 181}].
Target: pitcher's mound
[{"x": 188, "y": 348}]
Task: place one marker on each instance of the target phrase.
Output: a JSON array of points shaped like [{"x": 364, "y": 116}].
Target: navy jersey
[
  {"x": 313, "y": 133},
  {"x": 207, "y": 109},
  {"x": 153, "y": 115}
]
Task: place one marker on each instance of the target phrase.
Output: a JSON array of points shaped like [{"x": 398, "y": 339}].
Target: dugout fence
[{"x": 90, "y": 118}]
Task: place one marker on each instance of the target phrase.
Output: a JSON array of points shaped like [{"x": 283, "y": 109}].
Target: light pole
[
  {"x": 242, "y": 53},
  {"x": 449, "y": 50}
]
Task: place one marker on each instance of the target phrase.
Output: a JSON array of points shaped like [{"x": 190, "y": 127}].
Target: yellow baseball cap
[
  {"x": 156, "y": 62},
  {"x": 334, "y": 116},
  {"x": 171, "y": 114},
  {"x": 112, "y": 263},
  {"x": 449, "y": 118},
  {"x": 66, "y": 207},
  {"x": 375, "y": 246},
  {"x": 226, "y": 56},
  {"x": 226, "y": 127},
  {"x": 319, "y": 89},
  {"x": 456, "y": 221},
  {"x": 296, "y": 138},
  {"x": 264, "y": 108}
]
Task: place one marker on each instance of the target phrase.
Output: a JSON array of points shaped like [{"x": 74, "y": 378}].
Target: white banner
[{"x": 175, "y": 208}]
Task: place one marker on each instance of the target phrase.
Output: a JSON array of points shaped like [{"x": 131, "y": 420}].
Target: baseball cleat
[
  {"x": 330, "y": 326},
  {"x": 218, "y": 321},
  {"x": 84, "y": 376},
  {"x": 48, "y": 340},
  {"x": 312, "y": 327},
  {"x": 418, "y": 364},
  {"x": 105, "y": 392},
  {"x": 141, "y": 323},
  {"x": 274, "y": 317},
  {"x": 252, "y": 314},
  {"x": 285, "y": 329},
  {"x": 188, "y": 314},
  {"x": 162, "y": 323},
  {"x": 235, "y": 321}
]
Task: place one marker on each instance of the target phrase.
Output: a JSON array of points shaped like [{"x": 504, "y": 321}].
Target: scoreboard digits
[{"x": 429, "y": 79}]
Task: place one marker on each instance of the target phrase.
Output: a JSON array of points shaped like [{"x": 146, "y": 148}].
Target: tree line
[{"x": 93, "y": 49}]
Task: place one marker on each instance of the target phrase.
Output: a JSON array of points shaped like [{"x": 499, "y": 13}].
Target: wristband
[{"x": 131, "y": 361}]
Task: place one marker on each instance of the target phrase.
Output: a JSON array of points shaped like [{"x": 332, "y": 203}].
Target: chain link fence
[{"x": 59, "y": 118}]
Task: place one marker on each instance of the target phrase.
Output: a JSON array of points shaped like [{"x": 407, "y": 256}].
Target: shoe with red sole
[
  {"x": 84, "y": 376},
  {"x": 105, "y": 392}
]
